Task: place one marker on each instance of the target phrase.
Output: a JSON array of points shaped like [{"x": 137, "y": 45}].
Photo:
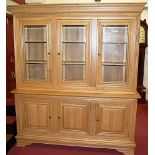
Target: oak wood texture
[
  {"x": 84, "y": 92},
  {"x": 72, "y": 8},
  {"x": 77, "y": 102},
  {"x": 73, "y": 116}
]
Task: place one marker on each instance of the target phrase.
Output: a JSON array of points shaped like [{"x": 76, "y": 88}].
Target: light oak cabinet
[{"x": 76, "y": 74}]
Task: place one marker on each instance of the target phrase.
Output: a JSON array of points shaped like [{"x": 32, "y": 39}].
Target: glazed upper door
[
  {"x": 74, "y": 52},
  {"x": 114, "y": 53},
  {"x": 36, "y": 51}
]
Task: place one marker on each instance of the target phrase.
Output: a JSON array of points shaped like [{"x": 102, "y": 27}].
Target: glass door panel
[
  {"x": 36, "y": 71},
  {"x": 73, "y": 72},
  {"x": 73, "y": 52},
  {"x": 114, "y": 73},
  {"x": 35, "y": 33},
  {"x": 35, "y": 52},
  {"x": 114, "y": 53},
  {"x": 115, "y": 34},
  {"x": 74, "y": 33}
]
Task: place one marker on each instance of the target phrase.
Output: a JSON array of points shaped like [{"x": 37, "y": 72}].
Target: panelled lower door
[
  {"x": 35, "y": 113},
  {"x": 113, "y": 117},
  {"x": 74, "y": 52},
  {"x": 73, "y": 116},
  {"x": 114, "y": 54}
]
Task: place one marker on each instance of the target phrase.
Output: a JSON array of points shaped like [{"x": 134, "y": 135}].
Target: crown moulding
[{"x": 77, "y": 8}]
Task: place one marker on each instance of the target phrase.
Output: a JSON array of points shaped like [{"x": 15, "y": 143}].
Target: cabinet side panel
[{"x": 133, "y": 113}]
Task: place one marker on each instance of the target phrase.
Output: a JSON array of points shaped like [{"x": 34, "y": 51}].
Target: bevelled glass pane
[
  {"x": 114, "y": 52},
  {"x": 35, "y": 51},
  {"x": 73, "y": 52},
  {"x": 115, "y": 34},
  {"x": 113, "y": 73},
  {"x": 36, "y": 71},
  {"x": 35, "y": 33},
  {"x": 74, "y": 33},
  {"x": 73, "y": 72}
]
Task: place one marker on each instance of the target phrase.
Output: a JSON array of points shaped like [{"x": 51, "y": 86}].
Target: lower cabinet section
[{"x": 78, "y": 121}]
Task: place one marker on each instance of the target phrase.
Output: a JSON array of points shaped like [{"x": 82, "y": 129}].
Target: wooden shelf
[
  {"x": 36, "y": 61},
  {"x": 113, "y": 63},
  {"x": 74, "y": 63},
  {"x": 113, "y": 82},
  {"x": 82, "y": 42},
  {"x": 113, "y": 43},
  {"x": 35, "y": 41}
]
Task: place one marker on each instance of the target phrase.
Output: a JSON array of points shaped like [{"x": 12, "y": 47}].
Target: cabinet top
[
  {"x": 77, "y": 93},
  {"x": 77, "y": 8}
]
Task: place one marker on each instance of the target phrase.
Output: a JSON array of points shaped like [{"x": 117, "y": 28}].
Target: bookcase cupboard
[{"x": 76, "y": 74}]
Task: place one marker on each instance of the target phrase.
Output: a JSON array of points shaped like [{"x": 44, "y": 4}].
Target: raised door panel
[
  {"x": 73, "y": 116},
  {"x": 34, "y": 55},
  {"x": 115, "y": 57},
  {"x": 113, "y": 117},
  {"x": 74, "y": 52},
  {"x": 35, "y": 114}
]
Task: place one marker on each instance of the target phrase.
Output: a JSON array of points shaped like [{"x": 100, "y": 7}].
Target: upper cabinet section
[
  {"x": 80, "y": 47},
  {"x": 74, "y": 51}
]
